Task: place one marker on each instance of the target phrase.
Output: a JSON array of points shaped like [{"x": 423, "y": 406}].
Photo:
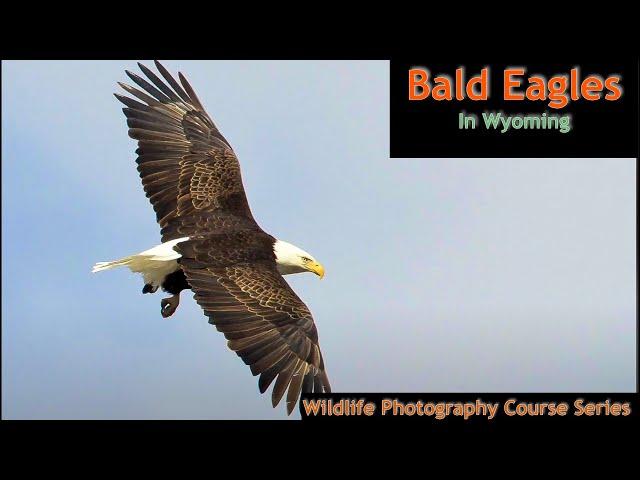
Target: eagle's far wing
[
  {"x": 264, "y": 321},
  {"x": 188, "y": 169}
]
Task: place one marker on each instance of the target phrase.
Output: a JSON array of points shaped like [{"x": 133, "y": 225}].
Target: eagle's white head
[{"x": 291, "y": 259}]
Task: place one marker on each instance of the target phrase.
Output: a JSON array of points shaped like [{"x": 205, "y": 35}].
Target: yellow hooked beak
[{"x": 316, "y": 268}]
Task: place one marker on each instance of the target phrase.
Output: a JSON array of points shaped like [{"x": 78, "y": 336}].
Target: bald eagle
[{"x": 211, "y": 243}]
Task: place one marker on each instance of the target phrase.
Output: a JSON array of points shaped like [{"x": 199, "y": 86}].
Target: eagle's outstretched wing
[
  {"x": 188, "y": 169},
  {"x": 263, "y": 319}
]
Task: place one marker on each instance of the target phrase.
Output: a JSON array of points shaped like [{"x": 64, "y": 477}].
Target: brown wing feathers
[
  {"x": 192, "y": 178},
  {"x": 263, "y": 319},
  {"x": 176, "y": 137}
]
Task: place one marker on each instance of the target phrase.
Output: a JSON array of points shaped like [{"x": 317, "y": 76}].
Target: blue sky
[{"x": 442, "y": 274}]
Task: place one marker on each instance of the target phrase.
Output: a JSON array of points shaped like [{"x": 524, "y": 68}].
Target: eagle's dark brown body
[{"x": 174, "y": 282}]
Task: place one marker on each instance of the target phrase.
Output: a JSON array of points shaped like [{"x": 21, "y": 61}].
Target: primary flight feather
[{"x": 211, "y": 242}]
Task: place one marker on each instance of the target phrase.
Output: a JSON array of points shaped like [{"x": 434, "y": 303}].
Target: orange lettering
[
  {"x": 537, "y": 90},
  {"x": 557, "y": 92},
  {"x": 589, "y": 86},
  {"x": 574, "y": 84},
  {"x": 509, "y": 83},
  {"x": 459, "y": 82},
  {"x": 615, "y": 90},
  {"x": 442, "y": 89},
  {"x": 481, "y": 80},
  {"x": 418, "y": 86}
]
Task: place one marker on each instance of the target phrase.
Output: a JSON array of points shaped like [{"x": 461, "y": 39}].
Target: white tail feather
[
  {"x": 100, "y": 266},
  {"x": 154, "y": 264}
]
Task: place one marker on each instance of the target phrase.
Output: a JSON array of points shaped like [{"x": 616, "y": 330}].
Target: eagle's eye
[{"x": 306, "y": 259}]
